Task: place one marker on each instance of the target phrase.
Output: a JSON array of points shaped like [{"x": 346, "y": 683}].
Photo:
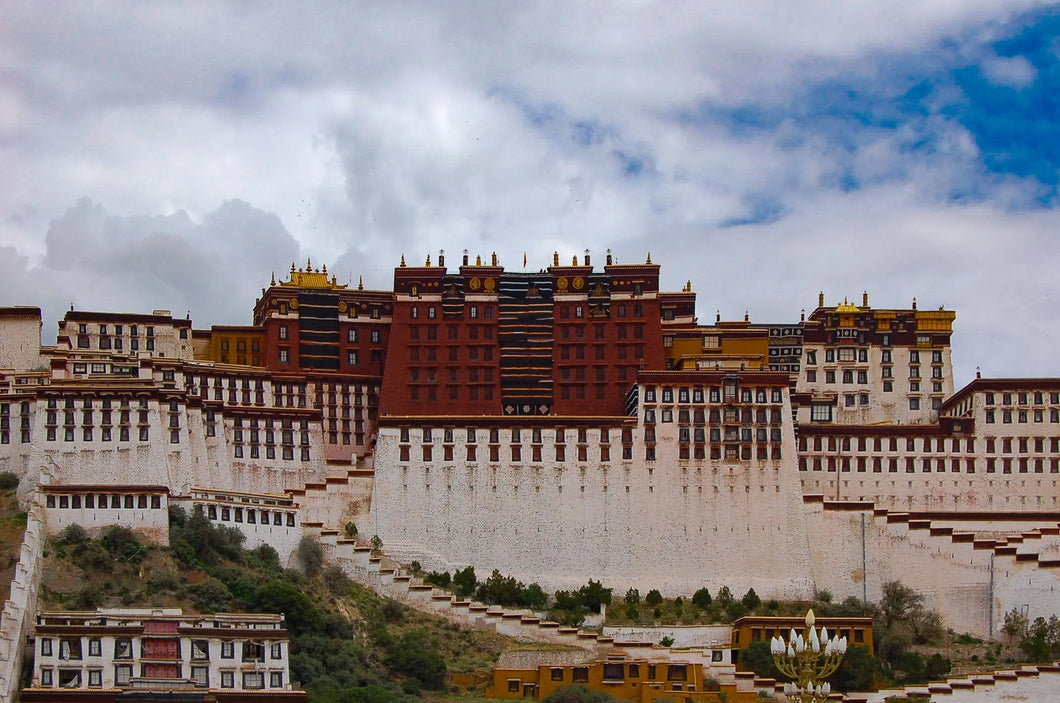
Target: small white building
[
  {"x": 112, "y": 651},
  {"x": 144, "y": 509}
]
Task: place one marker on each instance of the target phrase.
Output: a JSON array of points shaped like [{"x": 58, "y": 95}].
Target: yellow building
[
  {"x": 726, "y": 345},
  {"x": 761, "y": 628},
  {"x": 626, "y": 678},
  {"x": 233, "y": 344}
]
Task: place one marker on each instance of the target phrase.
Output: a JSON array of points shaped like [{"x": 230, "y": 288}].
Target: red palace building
[{"x": 568, "y": 340}]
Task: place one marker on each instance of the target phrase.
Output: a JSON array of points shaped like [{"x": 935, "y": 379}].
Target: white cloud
[
  {"x": 1015, "y": 71},
  {"x": 360, "y": 132}
]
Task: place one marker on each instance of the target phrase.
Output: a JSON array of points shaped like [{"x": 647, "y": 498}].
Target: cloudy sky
[{"x": 174, "y": 155}]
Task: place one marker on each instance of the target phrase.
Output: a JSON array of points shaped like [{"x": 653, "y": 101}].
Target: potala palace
[{"x": 560, "y": 425}]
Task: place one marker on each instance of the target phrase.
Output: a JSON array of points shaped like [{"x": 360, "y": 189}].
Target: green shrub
[
  {"x": 211, "y": 596},
  {"x": 441, "y": 580},
  {"x": 73, "y": 534},
  {"x": 336, "y": 580},
  {"x": 653, "y": 597},
  {"x": 464, "y": 582},
  {"x": 8, "y": 481},
  {"x": 310, "y": 555},
  {"x": 701, "y": 598},
  {"x": 417, "y": 656},
  {"x": 751, "y": 600}
]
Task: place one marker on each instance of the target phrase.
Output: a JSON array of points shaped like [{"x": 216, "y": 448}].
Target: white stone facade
[
  {"x": 127, "y": 648},
  {"x": 20, "y": 336},
  {"x": 270, "y": 519},
  {"x": 144, "y": 509},
  {"x": 132, "y": 335},
  {"x": 643, "y": 517}
]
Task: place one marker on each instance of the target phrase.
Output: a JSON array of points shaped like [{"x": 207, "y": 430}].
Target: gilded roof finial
[
  {"x": 574, "y": 260},
  {"x": 325, "y": 269},
  {"x": 273, "y": 279},
  {"x": 649, "y": 258},
  {"x": 308, "y": 265},
  {"x": 428, "y": 260},
  {"x": 292, "y": 267},
  {"x": 555, "y": 258},
  {"x": 360, "y": 283},
  {"x": 402, "y": 260},
  {"x": 688, "y": 286},
  {"x": 478, "y": 260},
  {"x": 494, "y": 258}
]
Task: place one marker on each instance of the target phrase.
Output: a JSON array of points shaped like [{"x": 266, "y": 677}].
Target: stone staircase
[
  {"x": 390, "y": 577},
  {"x": 1027, "y": 538}
]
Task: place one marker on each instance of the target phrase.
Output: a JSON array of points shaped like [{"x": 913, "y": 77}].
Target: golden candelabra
[{"x": 808, "y": 658}]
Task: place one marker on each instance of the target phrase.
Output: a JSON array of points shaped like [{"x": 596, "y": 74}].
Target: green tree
[
  {"x": 464, "y": 582},
  {"x": 73, "y": 534},
  {"x": 500, "y": 590},
  {"x": 534, "y": 597},
  {"x": 594, "y": 595},
  {"x": 1016, "y": 625},
  {"x": 123, "y": 544},
  {"x": 654, "y": 597},
  {"x": 416, "y": 655},
  {"x": 751, "y": 600},
  {"x": 701, "y": 598},
  {"x": 567, "y": 600},
  {"x": 936, "y": 667},
  {"x": 632, "y": 596},
  {"x": 736, "y": 610},
  {"x": 336, "y": 580},
  {"x": 310, "y": 555},
  {"x": 725, "y": 597},
  {"x": 211, "y": 596},
  {"x": 759, "y": 659},
  {"x": 859, "y": 671},
  {"x": 439, "y": 579},
  {"x": 283, "y": 597},
  {"x": 1035, "y": 643},
  {"x": 8, "y": 481}
]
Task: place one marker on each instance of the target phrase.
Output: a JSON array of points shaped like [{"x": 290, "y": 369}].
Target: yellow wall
[
  {"x": 237, "y": 347},
  {"x": 641, "y": 681}
]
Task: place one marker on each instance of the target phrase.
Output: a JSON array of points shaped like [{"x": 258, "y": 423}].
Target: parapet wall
[
  {"x": 668, "y": 524},
  {"x": 17, "y": 615},
  {"x": 971, "y": 582}
]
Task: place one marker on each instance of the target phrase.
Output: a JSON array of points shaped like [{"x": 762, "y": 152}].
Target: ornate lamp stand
[{"x": 809, "y": 659}]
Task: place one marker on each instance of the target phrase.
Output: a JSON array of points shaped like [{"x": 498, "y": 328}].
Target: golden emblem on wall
[
  {"x": 561, "y": 284},
  {"x": 342, "y": 306},
  {"x": 474, "y": 284},
  {"x": 294, "y": 303},
  {"x": 579, "y": 282},
  {"x": 490, "y": 285}
]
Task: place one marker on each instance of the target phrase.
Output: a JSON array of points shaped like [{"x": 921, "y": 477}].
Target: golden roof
[
  {"x": 312, "y": 278},
  {"x": 847, "y": 307}
]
